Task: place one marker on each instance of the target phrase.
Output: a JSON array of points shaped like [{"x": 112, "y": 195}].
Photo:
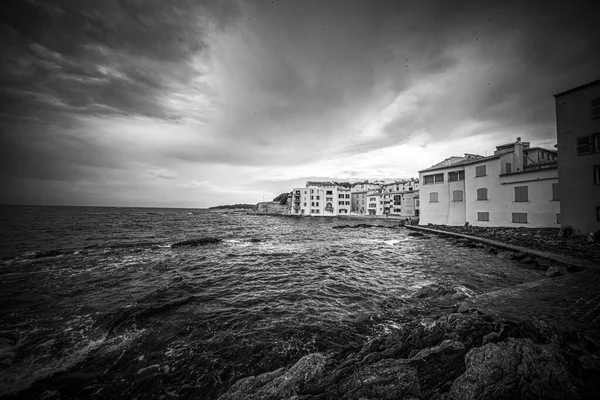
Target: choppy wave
[{"x": 96, "y": 304}]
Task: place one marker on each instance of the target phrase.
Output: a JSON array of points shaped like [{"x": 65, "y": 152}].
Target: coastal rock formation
[
  {"x": 196, "y": 242},
  {"x": 279, "y": 384},
  {"x": 455, "y": 356},
  {"x": 515, "y": 369}
]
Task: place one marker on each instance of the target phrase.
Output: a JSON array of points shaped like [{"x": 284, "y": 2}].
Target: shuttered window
[
  {"x": 584, "y": 145},
  {"x": 480, "y": 171},
  {"x": 433, "y": 197},
  {"x": 519, "y": 218},
  {"x": 508, "y": 168},
  {"x": 483, "y": 216},
  {"x": 457, "y": 195},
  {"x": 521, "y": 193},
  {"x": 482, "y": 194},
  {"x": 595, "y": 108},
  {"x": 555, "y": 191},
  {"x": 456, "y": 176}
]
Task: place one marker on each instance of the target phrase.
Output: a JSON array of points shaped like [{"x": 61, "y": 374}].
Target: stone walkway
[
  {"x": 571, "y": 301},
  {"x": 570, "y": 262}
]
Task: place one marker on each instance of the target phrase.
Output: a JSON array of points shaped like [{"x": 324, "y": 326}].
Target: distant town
[{"x": 519, "y": 185}]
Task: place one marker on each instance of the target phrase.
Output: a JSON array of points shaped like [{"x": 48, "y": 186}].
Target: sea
[{"x": 95, "y": 303}]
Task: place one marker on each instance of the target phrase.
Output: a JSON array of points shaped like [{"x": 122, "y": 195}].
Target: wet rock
[
  {"x": 555, "y": 270},
  {"x": 493, "y": 251},
  {"x": 517, "y": 368},
  {"x": 416, "y": 234},
  {"x": 279, "y": 384},
  {"x": 387, "y": 379},
  {"x": 518, "y": 256},
  {"x": 197, "y": 242}
]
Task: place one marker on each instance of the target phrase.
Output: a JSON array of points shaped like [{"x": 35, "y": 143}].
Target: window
[
  {"x": 508, "y": 168},
  {"x": 584, "y": 145},
  {"x": 317, "y": 211},
  {"x": 437, "y": 178},
  {"x": 304, "y": 204},
  {"x": 595, "y": 108},
  {"x": 340, "y": 196},
  {"x": 555, "y": 192},
  {"x": 483, "y": 216},
  {"x": 542, "y": 155},
  {"x": 433, "y": 197},
  {"x": 457, "y": 195},
  {"x": 558, "y": 219},
  {"x": 480, "y": 171},
  {"x": 312, "y": 197},
  {"x": 521, "y": 193},
  {"x": 519, "y": 218},
  {"x": 347, "y": 203},
  {"x": 317, "y": 203},
  {"x": 312, "y": 191},
  {"x": 596, "y": 174},
  {"x": 318, "y": 197},
  {"x": 329, "y": 192},
  {"x": 312, "y": 203},
  {"x": 340, "y": 203},
  {"x": 456, "y": 176},
  {"x": 482, "y": 194},
  {"x": 348, "y": 195}
]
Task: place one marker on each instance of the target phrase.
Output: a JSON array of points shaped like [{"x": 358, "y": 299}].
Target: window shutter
[{"x": 555, "y": 191}]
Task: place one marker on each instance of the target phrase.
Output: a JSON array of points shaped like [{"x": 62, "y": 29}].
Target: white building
[
  {"x": 509, "y": 188},
  {"x": 321, "y": 199},
  {"x": 578, "y": 137}
]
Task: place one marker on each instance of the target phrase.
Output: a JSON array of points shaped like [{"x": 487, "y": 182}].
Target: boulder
[
  {"x": 279, "y": 384},
  {"x": 413, "y": 233},
  {"x": 514, "y": 369},
  {"x": 555, "y": 270}
]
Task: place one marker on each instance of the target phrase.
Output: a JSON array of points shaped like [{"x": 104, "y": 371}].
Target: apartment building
[
  {"x": 321, "y": 199},
  {"x": 578, "y": 138},
  {"x": 508, "y": 188},
  {"x": 375, "y": 203},
  {"x": 358, "y": 202}
]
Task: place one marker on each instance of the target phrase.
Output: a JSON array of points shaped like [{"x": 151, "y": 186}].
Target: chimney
[{"x": 518, "y": 155}]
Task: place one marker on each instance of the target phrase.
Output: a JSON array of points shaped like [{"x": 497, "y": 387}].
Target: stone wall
[{"x": 273, "y": 207}]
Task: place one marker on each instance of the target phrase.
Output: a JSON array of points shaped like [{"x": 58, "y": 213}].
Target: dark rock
[
  {"x": 492, "y": 337},
  {"x": 515, "y": 369},
  {"x": 255, "y": 240},
  {"x": 412, "y": 233},
  {"x": 518, "y": 256},
  {"x": 493, "y": 251},
  {"x": 279, "y": 384},
  {"x": 196, "y": 242},
  {"x": 387, "y": 379},
  {"x": 555, "y": 271}
]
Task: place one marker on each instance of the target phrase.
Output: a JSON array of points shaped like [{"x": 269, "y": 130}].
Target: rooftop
[
  {"x": 578, "y": 87},
  {"x": 462, "y": 162}
]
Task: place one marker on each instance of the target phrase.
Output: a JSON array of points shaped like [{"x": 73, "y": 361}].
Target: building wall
[
  {"x": 579, "y": 194},
  {"x": 541, "y": 208}
]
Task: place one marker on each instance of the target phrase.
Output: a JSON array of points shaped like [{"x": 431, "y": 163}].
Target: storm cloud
[{"x": 194, "y": 103}]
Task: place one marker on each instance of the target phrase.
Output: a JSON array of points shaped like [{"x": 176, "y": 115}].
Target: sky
[{"x": 190, "y": 103}]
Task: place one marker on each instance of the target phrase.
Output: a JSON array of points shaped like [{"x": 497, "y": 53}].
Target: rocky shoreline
[
  {"x": 504, "y": 345},
  {"x": 466, "y": 355}
]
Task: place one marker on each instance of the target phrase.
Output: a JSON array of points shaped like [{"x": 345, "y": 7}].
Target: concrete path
[
  {"x": 570, "y": 262},
  {"x": 571, "y": 301}
]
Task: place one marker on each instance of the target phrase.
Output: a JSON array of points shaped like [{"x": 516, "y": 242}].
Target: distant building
[
  {"x": 358, "y": 202},
  {"x": 321, "y": 199},
  {"x": 517, "y": 186},
  {"x": 578, "y": 137},
  {"x": 375, "y": 203}
]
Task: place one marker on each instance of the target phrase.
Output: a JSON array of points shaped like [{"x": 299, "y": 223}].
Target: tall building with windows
[
  {"x": 578, "y": 138},
  {"x": 516, "y": 186},
  {"x": 321, "y": 199}
]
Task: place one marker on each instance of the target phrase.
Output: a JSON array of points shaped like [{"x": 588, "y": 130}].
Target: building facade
[
  {"x": 321, "y": 199},
  {"x": 505, "y": 189},
  {"x": 578, "y": 138}
]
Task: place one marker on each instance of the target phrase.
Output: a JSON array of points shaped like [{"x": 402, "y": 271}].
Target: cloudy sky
[{"x": 190, "y": 103}]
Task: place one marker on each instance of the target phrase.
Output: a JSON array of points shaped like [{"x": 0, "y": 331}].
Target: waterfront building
[
  {"x": 375, "y": 203},
  {"x": 358, "y": 202},
  {"x": 321, "y": 199},
  {"x": 513, "y": 187},
  {"x": 401, "y": 186},
  {"x": 578, "y": 138}
]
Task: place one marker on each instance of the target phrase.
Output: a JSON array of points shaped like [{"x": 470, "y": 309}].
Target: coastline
[{"x": 540, "y": 339}]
